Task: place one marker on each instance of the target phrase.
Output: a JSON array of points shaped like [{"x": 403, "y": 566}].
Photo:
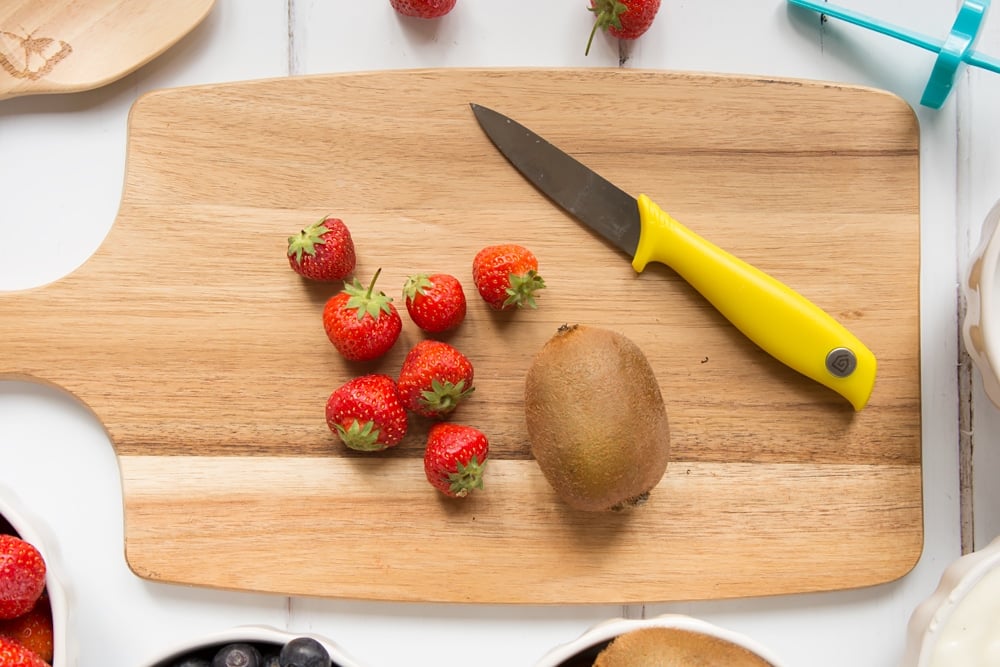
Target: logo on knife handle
[{"x": 841, "y": 362}]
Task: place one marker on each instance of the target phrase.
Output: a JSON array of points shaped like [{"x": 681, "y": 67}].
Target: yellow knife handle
[{"x": 781, "y": 321}]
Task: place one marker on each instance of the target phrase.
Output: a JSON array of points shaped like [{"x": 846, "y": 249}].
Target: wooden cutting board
[{"x": 204, "y": 354}]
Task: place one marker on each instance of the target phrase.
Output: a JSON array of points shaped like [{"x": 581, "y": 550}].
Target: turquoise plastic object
[{"x": 953, "y": 51}]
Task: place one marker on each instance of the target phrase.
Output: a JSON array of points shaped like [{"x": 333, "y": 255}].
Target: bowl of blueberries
[{"x": 255, "y": 646}]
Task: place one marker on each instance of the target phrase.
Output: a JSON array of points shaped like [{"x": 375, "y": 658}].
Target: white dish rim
[
  {"x": 611, "y": 628},
  {"x": 980, "y": 325},
  {"x": 933, "y": 613},
  {"x": 250, "y": 633}
]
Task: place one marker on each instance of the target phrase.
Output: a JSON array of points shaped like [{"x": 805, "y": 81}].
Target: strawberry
[
  {"x": 507, "y": 276},
  {"x": 367, "y": 413},
  {"x": 435, "y": 379},
  {"x": 32, "y": 630},
  {"x": 423, "y": 9},
  {"x": 435, "y": 302},
  {"x": 323, "y": 251},
  {"x": 13, "y": 654},
  {"x": 361, "y": 323},
  {"x": 624, "y": 19},
  {"x": 455, "y": 458},
  {"x": 22, "y": 576}
]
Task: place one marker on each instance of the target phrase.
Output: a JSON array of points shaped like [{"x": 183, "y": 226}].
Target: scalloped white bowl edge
[
  {"x": 981, "y": 321},
  {"x": 611, "y": 628},
  {"x": 250, "y": 634}
]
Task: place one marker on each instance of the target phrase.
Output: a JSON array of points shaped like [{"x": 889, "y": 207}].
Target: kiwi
[
  {"x": 673, "y": 647},
  {"x": 596, "y": 419}
]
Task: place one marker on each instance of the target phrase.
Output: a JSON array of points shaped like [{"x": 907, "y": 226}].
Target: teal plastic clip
[{"x": 953, "y": 51}]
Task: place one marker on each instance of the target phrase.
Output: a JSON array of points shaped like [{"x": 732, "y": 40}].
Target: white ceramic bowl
[
  {"x": 35, "y": 531},
  {"x": 964, "y": 611},
  {"x": 981, "y": 323},
  {"x": 251, "y": 634},
  {"x": 602, "y": 633}
]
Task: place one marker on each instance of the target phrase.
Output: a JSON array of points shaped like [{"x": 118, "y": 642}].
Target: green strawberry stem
[
  {"x": 467, "y": 476},
  {"x": 608, "y": 13},
  {"x": 443, "y": 397},
  {"x": 415, "y": 285},
  {"x": 362, "y": 437},
  {"x": 521, "y": 292},
  {"x": 366, "y": 301},
  {"x": 307, "y": 240}
]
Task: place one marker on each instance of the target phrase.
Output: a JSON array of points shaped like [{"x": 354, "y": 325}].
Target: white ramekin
[
  {"x": 251, "y": 634},
  {"x": 607, "y": 630},
  {"x": 34, "y": 530},
  {"x": 930, "y": 619},
  {"x": 981, "y": 289}
]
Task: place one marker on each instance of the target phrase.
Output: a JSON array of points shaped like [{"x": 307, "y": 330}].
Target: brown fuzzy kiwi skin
[
  {"x": 596, "y": 419},
  {"x": 673, "y": 647}
]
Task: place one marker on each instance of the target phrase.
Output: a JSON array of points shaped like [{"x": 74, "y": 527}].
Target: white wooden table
[{"x": 61, "y": 167}]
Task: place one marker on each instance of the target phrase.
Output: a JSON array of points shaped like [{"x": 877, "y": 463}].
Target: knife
[{"x": 778, "y": 319}]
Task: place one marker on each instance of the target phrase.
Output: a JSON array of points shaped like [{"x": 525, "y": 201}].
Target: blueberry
[
  {"x": 193, "y": 662},
  {"x": 271, "y": 661},
  {"x": 237, "y": 655},
  {"x": 304, "y": 652}
]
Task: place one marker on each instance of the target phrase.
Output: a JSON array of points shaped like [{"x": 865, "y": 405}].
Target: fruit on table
[
  {"x": 455, "y": 458},
  {"x": 423, "y": 9},
  {"x": 367, "y": 413},
  {"x": 506, "y": 276},
  {"x": 596, "y": 419},
  {"x": 624, "y": 19},
  {"x": 13, "y": 654},
  {"x": 323, "y": 251},
  {"x": 33, "y": 630},
  {"x": 22, "y": 576},
  {"x": 435, "y": 302},
  {"x": 360, "y": 322},
  {"x": 435, "y": 379}
]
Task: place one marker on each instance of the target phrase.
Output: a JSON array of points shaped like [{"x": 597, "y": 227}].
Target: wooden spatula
[{"x": 62, "y": 46}]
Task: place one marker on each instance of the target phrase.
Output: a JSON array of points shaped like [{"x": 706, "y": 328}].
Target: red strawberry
[
  {"x": 436, "y": 302},
  {"x": 423, "y": 9},
  {"x": 361, "y": 323},
  {"x": 32, "y": 630},
  {"x": 22, "y": 576},
  {"x": 323, "y": 251},
  {"x": 435, "y": 379},
  {"x": 624, "y": 19},
  {"x": 507, "y": 276},
  {"x": 12, "y": 654},
  {"x": 367, "y": 414},
  {"x": 455, "y": 458}
]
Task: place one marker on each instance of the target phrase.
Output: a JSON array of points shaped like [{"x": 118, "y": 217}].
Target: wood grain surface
[
  {"x": 204, "y": 355},
  {"x": 61, "y": 46}
]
